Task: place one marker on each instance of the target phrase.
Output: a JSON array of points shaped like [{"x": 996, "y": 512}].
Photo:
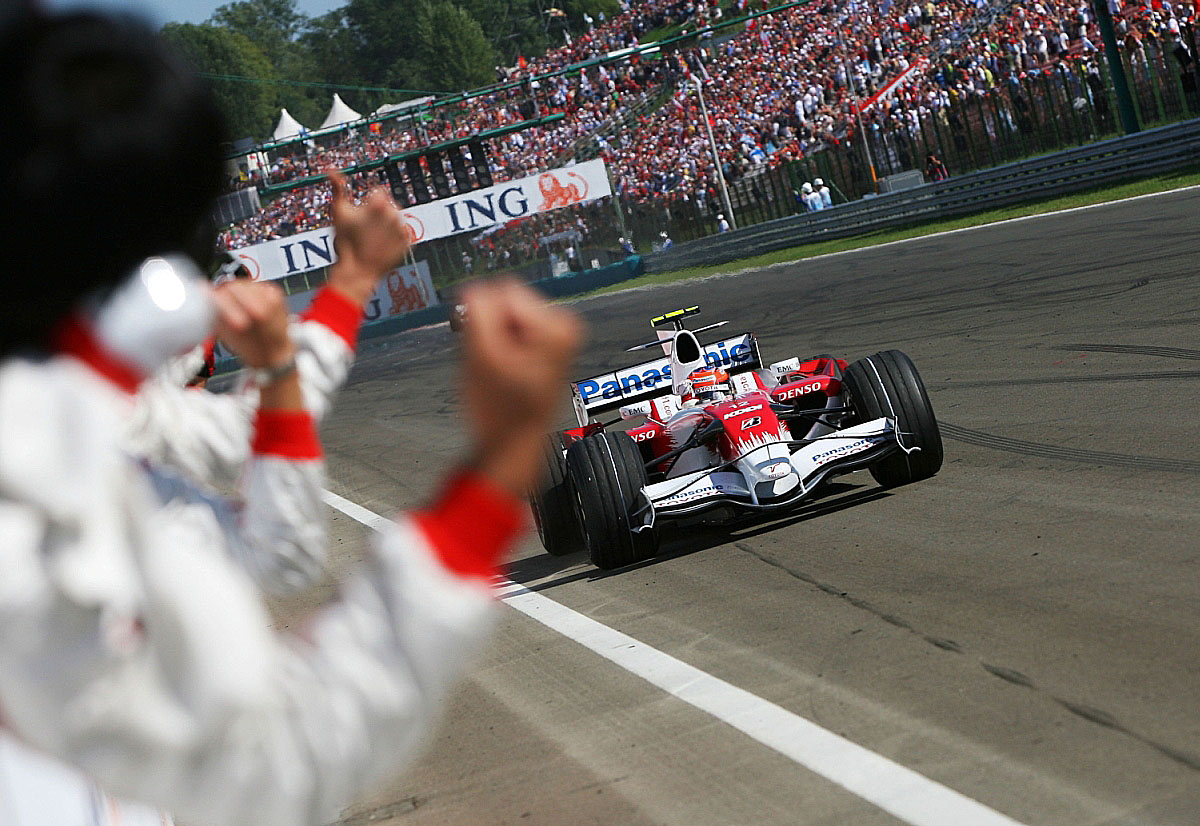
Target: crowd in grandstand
[{"x": 783, "y": 87}]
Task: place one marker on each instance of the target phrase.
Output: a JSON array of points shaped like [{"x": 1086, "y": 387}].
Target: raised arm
[{"x": 135, "y": 652}]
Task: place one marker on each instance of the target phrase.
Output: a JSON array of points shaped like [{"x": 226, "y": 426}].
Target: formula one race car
[{"x": 722, "y": 436}]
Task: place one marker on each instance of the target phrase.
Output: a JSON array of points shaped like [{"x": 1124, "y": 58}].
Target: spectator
[
  {"x": 722, "y": 224},
  {"x": 134, "y": 645},
  {"x": 573, "y": 262},
  {"x": 823, "y": 191},
  {"x": 774, "y": 92},
  {"x": 935, "y": 170},
  {"x": 812, "y": 199}
]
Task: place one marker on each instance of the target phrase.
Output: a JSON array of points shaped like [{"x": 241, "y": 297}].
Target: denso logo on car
[{"x": 793, "y": 392}]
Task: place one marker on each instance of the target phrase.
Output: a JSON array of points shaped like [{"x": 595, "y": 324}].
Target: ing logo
[
  {"x": 556, "y": 193},
  {"x": 416, "y": 228}
]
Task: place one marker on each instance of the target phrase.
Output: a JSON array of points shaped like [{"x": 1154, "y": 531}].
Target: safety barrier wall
[{"x": 1145, "y": 153}]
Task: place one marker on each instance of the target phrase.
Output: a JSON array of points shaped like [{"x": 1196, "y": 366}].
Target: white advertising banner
[
  {"x": 403, "y": 290},
  {"x": 468, "y": 212}
]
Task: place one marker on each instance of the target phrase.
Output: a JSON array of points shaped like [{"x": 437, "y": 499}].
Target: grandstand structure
[{"x": 795, "y": 91}]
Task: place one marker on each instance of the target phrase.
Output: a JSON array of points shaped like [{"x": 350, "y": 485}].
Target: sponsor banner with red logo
[
  {"x": 468, "y": 212},
  {"x": 403, "y": 290}
]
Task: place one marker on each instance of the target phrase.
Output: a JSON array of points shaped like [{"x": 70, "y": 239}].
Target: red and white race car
[{"x": 721, "y": 435}]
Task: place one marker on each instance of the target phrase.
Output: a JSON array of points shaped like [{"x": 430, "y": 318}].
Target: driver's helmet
[{"x": 710, "y": 384}]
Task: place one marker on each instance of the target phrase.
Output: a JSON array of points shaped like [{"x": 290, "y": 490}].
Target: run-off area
[{"x": 1023, "y": 629}]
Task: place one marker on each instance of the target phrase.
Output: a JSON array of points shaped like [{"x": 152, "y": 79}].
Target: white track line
[{"x": 897, "y": 790}]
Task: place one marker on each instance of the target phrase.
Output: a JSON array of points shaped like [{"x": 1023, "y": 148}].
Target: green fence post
[
  {"x": 1066, "y": 76},
  {"x": 1155, "y": 92},
  {"x": 1185, "y": 105},
  {"x": 949, "y": 150},
  {"x": 983, "y": 129},
  {"x": 1052, "y": 111},
  {"x": 1003, "y": 136}
]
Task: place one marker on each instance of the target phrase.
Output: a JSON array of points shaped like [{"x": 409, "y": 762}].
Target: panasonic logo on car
[
  {"x": 689, "y": 495},
  {"x": 731, "y": 352},
  {"x": 843, "y": 450}
]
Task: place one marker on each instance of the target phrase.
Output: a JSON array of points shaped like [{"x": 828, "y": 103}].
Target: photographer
[{"x": 135, "y": 645}]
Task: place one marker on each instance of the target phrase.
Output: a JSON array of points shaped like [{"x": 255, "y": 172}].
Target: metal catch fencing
[
  {"x": 1061, "y": 173},
  {"x": 1022, "y": 111}
]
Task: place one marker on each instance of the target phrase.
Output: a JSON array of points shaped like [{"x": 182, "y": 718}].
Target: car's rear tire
[
  {"x": 607, "y": 474},
  {"x": 887, "y": 384},
  {"x": 553, "y": 504}
]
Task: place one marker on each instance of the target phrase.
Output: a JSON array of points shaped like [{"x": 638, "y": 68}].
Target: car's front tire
[
  {"x": 887, "y": 384},
  {"x": 607, "y": 476}
]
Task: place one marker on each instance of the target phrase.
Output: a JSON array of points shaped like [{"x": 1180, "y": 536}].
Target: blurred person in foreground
[{"x": 135, "y": 643}]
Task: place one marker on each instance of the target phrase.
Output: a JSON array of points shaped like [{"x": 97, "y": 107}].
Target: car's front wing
[{"x": 841, "y": 452}]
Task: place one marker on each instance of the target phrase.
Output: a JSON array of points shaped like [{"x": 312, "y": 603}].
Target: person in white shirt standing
[
  {"x": 823, "y": 190},
  {"x": 812, "y": 198}
]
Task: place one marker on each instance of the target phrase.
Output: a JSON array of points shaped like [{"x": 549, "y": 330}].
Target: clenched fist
[
  {"x": 252, "y": 320},
  {"x": 518, "y": 350}
]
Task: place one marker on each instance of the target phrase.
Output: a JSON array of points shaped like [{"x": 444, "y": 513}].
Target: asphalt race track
[{"x": 1023, "y": 629}]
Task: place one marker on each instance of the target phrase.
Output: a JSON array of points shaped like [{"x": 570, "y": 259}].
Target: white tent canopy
[
  {"x": 288, "y": 127},
  {"x": 339, "y": 114}
]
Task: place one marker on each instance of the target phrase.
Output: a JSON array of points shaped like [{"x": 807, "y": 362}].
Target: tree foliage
[
  {"x": 452, "y": 51},
  {"x": 423, "y": 46},
  {"x": 249, "y": 109}
]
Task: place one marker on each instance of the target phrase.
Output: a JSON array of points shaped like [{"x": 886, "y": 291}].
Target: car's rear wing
[{"x": 652, "y": 379}]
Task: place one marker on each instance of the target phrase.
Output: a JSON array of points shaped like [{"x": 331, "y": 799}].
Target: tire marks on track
[
  {"x": 1135, "y": 349},
  {"x": 1104, "y": 378},
  {"x": 1067, "y": 454},
  {"x": 1084, "y": 711}
]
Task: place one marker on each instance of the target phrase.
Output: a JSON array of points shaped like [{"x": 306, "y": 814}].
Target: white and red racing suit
[
  {"x": 136, "y": 646},
  {"x": 206, "y": 438}
]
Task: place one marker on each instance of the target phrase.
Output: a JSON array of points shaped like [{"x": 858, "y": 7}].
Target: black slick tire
[
  {"x": 553, "y": 504},
  {"x": 887, "y": 384},
  {"x": 607, "y": 474}
]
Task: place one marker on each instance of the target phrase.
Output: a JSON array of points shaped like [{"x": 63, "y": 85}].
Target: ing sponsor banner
[{"x": 468, "y": 212}]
